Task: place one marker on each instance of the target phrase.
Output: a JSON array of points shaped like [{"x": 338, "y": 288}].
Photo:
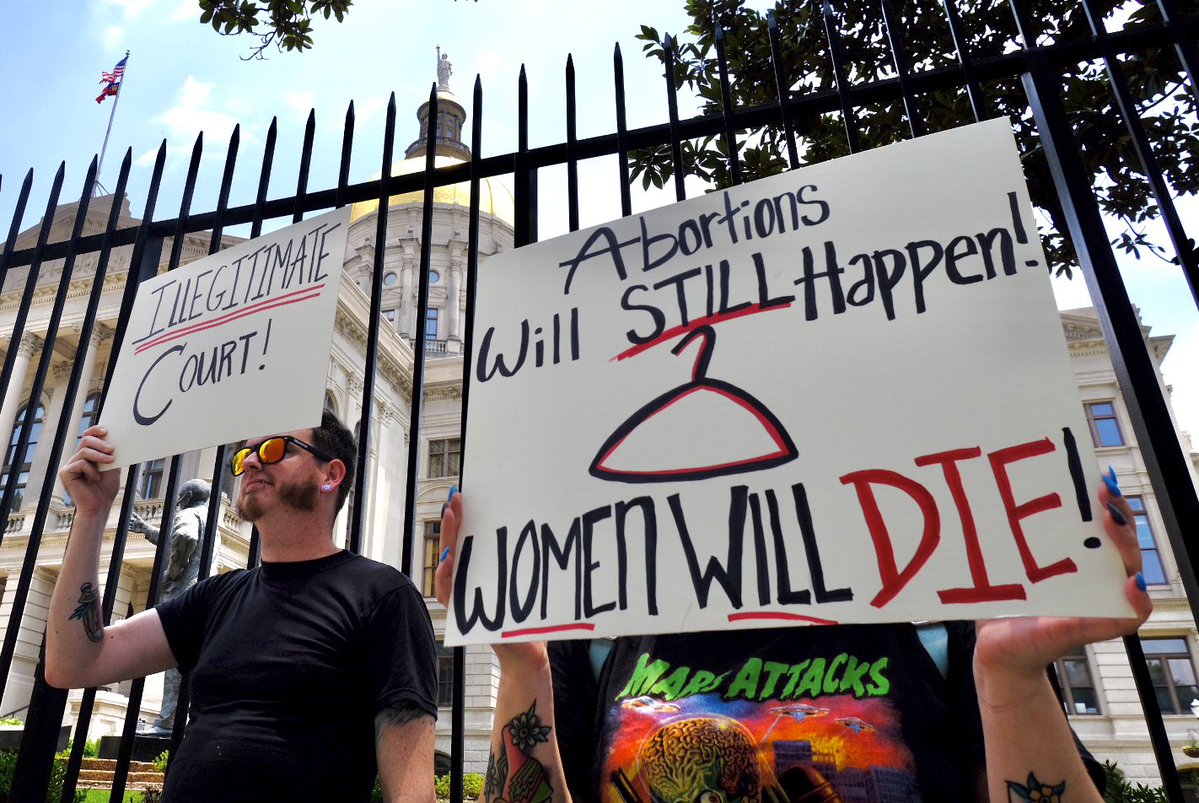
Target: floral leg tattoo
[
  {"x": 1035, "y": 790},
  {"x": 515, "y": 776},
  {"x": 87, "y": 611}
]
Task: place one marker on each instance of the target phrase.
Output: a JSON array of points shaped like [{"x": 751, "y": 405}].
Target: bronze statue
[{"x": 180, "y": 571}]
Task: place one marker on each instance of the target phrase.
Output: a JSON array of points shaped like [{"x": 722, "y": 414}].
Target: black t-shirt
[
  {"x": 290, "y": 663},
  {"x": 860, "y": 712}
]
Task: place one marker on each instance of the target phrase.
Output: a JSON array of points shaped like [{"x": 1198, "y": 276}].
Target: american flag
[{"x": 112, "y": 80}]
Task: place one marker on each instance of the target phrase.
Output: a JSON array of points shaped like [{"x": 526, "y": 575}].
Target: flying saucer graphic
[
  {"x": 854, "y": 724},
  {"x": 703, "y": 428},
  {"x": 650, "y": 705},
  {"x": 799, "y": 711}
]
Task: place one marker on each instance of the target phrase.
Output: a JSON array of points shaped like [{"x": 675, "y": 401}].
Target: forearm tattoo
[
  {"x": 396, "y": 716},
  {"x": 1034, "y": 790},
  {"x": 87, "y": 611},
  {"x": 515, "y": 776}
]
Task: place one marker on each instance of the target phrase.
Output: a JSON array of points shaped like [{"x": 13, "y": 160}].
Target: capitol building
[{"x": 1098, "y": 690}]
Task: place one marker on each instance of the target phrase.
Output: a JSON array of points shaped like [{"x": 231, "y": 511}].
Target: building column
[
  {"x": 453, "y": 300},
  {"x": 100, "y": 334},
  {"x": 406, "y": 271},
  {"x": 40, "y": 464},
  {"x": 13, "y": 399}
]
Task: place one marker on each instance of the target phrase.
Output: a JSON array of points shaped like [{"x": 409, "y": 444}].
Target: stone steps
[{"x": 96, "y": 773}]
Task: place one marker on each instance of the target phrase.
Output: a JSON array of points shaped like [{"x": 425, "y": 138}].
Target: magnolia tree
[{"x": 1168, "y": 109}]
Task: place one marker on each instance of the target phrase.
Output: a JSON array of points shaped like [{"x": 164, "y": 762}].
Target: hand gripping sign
[
  {"x": 840, "y": 394},
  {"x": 230, "y": 346}
]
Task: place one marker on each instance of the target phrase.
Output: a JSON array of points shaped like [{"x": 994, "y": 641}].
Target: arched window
[
  {"x": 150, "y": 479},
  {"x": 22, "y": 463},
  {"x": 331, "y": 402},
  {"x": 431, "y": 316},
  {"x": 91, "y": 410}
]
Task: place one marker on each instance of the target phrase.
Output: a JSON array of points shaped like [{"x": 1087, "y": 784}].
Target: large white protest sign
[
  {"x": 230, "y": 346},
  {"x": 841, "y": 394}
]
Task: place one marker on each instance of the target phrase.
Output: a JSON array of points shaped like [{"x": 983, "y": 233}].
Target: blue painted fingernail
[
  {"x": 1141, "y": 581},
  {"x": 1117, "y": 516},
  {"x": 445, "y": 553},
  {"x": 453, "y": 490},
  {"x": 1109, "y": 480}
]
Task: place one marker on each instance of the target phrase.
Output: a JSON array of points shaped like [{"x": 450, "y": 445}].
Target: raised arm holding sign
[
  {"x": 838, "y": 396},
  {"x": 311, "y": 623},
  {"x": 680, "y": 717}
]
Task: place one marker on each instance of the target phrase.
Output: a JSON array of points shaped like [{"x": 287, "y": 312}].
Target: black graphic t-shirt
[
  {"x": 290, "y": 663},
  {"x": 849, "y": 713}
]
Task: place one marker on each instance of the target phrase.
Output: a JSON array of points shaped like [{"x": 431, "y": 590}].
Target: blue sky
[{"x": 183, "y": 79}]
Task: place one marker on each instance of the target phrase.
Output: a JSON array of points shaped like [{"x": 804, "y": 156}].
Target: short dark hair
[{"x": 332, "y": 438}]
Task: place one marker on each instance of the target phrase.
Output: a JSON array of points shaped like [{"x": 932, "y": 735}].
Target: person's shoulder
[
  {"x": 381, "y": 577},
  {"x": 223, "y": 581}
]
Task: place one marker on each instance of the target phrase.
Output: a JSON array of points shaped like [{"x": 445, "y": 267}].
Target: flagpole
[{"x": 111, "y": 115}]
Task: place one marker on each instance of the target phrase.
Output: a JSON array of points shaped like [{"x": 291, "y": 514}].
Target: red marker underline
[
  {"x": 538, "y": 631},
  {"x": 261, "y": 306},
  {"x": 778, "y": 616},
  {"x": 671, "y": 334}
]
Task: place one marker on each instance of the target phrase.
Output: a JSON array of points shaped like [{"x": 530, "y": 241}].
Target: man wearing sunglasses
[{"x": 306, "y": 672}]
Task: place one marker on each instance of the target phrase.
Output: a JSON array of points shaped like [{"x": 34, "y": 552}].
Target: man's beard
[{"x": 300, "y": 496}]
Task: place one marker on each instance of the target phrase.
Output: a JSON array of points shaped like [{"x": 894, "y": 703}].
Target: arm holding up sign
[
  {"x": 1030, "y": 753},
  {"x": 524, "y": 745},
  {"x": 80, "y": 651}
]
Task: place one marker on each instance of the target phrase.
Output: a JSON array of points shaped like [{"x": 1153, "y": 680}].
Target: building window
[
  {"x": 431, "y": 323},
  {"x": 90, "y": 414},
  {"x": 432, "y": 553},
  {"x": 1104, "y": 427},
  {"x": 85, "y": 420},
  {"x": 1078, "y": 688},
  {"x": 390, "y": 279},
  {"x": 1151, "y": 557},
  {"x": 149, "y": 480},
  {"x": 434, "y": 276},
  {"x": 1173, "y": 673},
  {"x": 330, "y": 402},
  {"x": 444, "y": 456},
  {"x": 445, "y": 677},
  {"x": 390, "y": 315},
  {"x": 22, "y": 463}
]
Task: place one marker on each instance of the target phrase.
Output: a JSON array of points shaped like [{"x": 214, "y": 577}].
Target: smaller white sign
[{"x": 231, "y": 346}]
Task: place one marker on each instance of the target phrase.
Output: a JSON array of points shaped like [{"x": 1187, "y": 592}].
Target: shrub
[
  {"x": 1120, "y": 790},
  {"x": 11, "y": 721},
  {"x": 472, "y": 786},
  {"x": 58, "y": 771},
  {"x": 161, "y": 760},
  {"x": 91, "y": 749}
]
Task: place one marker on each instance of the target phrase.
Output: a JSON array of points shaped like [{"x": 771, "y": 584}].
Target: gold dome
[{"x": 496, "y": 198}]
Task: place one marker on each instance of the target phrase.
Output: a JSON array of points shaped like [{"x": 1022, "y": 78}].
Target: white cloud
[
  {"x": 194, "y": 92},
  {"x": 190, "y": 115},
  {"x": 114, "y": 37},
  {"x": 368, "y": 109},
  {"x": 1179, "y": 372},
  {"x": 131, "y": 8},
  {"x": 186, "y": 11},
  {"x": 300, "y": 102},
  {"x": 146, "y": 159}
]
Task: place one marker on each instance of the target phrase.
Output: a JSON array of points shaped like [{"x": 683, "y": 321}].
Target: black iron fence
[{"x": 1038, "y": 57}]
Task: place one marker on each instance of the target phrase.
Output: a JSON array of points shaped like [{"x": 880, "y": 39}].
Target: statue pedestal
[{"x": 145, "y": 747}]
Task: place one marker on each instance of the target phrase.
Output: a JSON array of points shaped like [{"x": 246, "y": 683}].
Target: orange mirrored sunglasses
[{"x": 271, "y": 450}]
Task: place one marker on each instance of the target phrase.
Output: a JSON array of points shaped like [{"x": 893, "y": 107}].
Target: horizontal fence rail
[{"x": 844, "y": 91}]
